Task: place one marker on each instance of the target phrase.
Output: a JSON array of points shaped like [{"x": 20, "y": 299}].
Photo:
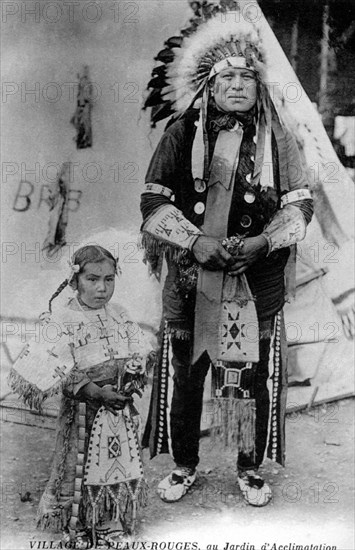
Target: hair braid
[{"x": 56, "y": 293}]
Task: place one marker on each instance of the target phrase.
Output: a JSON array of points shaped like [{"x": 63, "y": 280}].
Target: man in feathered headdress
[{"x": 226, "y": 199}]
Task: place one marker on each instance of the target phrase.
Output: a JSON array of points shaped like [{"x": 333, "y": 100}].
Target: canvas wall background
[{"x": 117, "y": 40}]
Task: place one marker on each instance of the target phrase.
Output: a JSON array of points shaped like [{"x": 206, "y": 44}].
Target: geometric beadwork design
[
  {"x": 113, "y": 446},
  {"x": 232, "y": 330},
  {"x": 241, "y": 378},
  {"x": 238, "y": 324},
  {"x": 113, "y": 454},
  {"x": 232, "y": 377}
]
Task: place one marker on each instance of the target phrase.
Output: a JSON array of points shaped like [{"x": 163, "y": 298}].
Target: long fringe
[
  {"x": 155, "y": 249},
  {"x": 55, "y": 521},
  {"x": 118, "y": 504},
  {"x": 233, "y": 423},
  {"x": 179, "y": 333},
  {"x": 107, "y": 508},
  {"x": 30, "y": 394}
]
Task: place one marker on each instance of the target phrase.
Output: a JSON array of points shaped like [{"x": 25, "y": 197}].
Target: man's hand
[
  {"x": 210, "y": 254},
  {"x": 253, "y": 249}
]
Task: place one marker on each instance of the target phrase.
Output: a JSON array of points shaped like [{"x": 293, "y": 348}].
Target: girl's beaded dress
[{"x": 97, "y": 474}]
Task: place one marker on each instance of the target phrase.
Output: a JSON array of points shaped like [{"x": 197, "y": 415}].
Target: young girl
[{"x": 96, "y": 356}]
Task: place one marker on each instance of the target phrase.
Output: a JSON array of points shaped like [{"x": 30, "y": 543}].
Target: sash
[{"x": 210, "y": 283}]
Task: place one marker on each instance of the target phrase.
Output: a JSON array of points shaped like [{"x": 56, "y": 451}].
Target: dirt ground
[{"x": 313, "y": 496}]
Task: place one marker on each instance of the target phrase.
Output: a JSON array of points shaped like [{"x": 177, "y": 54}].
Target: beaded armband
[
  {"x": 157, "y": 189},
  {"x": 295, "y": 195},
  {"x": 170, "y": 225}
]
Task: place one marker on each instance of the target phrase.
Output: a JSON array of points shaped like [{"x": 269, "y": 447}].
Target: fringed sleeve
[
  {"x": 165, "y": 229},
  {"x": 288, "y": 225},
  {"x": 42, "y": 369}
]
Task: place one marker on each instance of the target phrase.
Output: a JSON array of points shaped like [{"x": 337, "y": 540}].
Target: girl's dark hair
[
  {"x": 91, "y": 254},
  {"x": 86, "y": 254}
]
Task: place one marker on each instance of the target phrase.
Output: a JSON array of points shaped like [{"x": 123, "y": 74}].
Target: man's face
[
  {"x": 96, "y": 284},
  {"x": 234, "y": 90}
]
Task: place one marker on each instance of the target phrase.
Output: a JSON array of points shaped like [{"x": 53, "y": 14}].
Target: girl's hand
[{"x": 112, "y": 400}]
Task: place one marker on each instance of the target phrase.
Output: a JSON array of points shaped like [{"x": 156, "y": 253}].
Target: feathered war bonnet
[{"x": 226, "y": 40}]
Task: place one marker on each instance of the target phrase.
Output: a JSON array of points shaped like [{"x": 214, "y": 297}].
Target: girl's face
[
  {"x": 235, "y": 90},
  {"x": 96, "y": 284}
]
